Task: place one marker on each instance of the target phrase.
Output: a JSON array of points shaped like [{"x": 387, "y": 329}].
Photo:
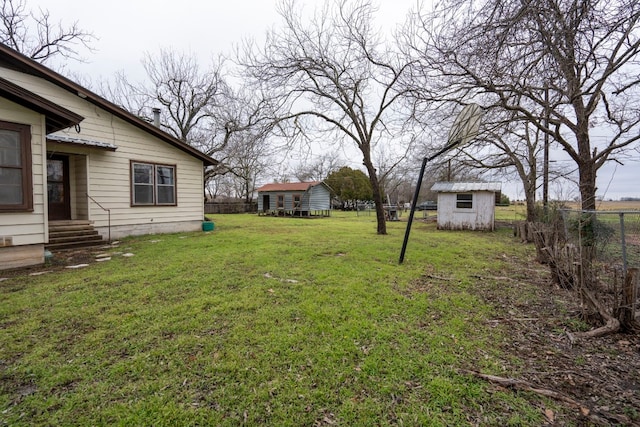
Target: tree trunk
[
  {"x": 377, "y": 195},
  {"x": 627, "y": 314},
  {"x": 530, "y": 197},
  {"x": 588, "y": 185},
  {"x": 377, "y": 198}
]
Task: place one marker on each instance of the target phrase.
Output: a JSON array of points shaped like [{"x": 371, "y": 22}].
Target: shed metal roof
[{"x": 459, "y": 187}]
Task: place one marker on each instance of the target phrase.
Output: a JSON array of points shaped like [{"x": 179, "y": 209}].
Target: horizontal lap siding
[
  {"x": 320, "y": 199},
  {"x": 109, "y": 171},
  {"x": 27, "y": 228}
]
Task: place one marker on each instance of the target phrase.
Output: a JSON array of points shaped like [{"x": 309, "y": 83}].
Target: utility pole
[{"x": 545, "y": 178}]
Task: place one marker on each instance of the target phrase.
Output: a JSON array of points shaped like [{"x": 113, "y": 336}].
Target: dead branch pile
[{"x": 574, "y": 267}]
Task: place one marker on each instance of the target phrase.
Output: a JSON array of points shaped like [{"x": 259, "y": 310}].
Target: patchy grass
[{"x": 265, "y": 321}]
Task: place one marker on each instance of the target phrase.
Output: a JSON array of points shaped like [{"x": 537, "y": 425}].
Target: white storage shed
[{"x": 466, "y": 205}]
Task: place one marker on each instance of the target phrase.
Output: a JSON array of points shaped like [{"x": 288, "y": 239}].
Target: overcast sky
[{"x": 126, "y": 29}]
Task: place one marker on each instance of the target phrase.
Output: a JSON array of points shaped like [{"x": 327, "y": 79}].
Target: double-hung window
[
  {"x": 15, "y": 168},
  {"x": 153, "y": 184}
]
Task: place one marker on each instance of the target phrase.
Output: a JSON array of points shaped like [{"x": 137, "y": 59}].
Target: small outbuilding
[
  {"x": 466, "y": 205},
  {"x": 304, "y": 199}
]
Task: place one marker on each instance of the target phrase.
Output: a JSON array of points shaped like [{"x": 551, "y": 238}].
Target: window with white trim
[
  {"x": 15, "y": 167},
  {"x": 464, "y": 201},
  {"x": 153, "y": 184}
]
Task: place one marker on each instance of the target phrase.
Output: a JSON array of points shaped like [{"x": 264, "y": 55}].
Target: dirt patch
[
  {"x": 602, "y": 375},
  {"x": 59, "y": 261}
]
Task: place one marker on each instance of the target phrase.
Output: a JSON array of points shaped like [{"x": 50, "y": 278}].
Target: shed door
[
  {"x": 265, "y": 203},
  {"x": 58, "y": 188}
]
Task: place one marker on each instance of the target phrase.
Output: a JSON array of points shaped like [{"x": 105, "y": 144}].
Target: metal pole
[
  {"x": 545, "y": 179},
  {"x": 416, "y": 194},
  {"x": 412, "y": 210}
]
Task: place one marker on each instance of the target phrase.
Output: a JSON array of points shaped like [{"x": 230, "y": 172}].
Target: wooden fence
[{"x": 230, "y": 207}]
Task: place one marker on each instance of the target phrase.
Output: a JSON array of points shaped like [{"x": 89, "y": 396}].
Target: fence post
[{"x": 624, "y": 245}]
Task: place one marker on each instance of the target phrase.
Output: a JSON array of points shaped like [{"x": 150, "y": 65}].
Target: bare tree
[
  {"x": 511, "y": 146},
  {"x": 572, "y": 61},
  {"x": 333, "y": 73},
  {"x": 319, "y": 169},
  {"x": 186, "y": 94},
  {"x": 199, "y": 107},
  {"x": 509, "y": 52},
  {"x": 37, "y": 36}
]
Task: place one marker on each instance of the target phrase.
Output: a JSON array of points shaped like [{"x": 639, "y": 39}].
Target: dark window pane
[
  {"x": 11, "y": 187},
  {"x": 166, "y": 195},
  {"x": 165, "y": 175},
  {"x": 464, "y": 201},
  {"x": 10, "y": 148},
  {"x": 142, "y": 174},
  {"x": 55, "y": 170},
  {"x": 143, "y": 194},
  {"x": 55, "y": 192}
]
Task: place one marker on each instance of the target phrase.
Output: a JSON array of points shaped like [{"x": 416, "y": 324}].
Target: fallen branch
[
  {"x": 612, "y": 325},
  {"x": 431, "y": 276},
  {"x": 526, "y": 386}
]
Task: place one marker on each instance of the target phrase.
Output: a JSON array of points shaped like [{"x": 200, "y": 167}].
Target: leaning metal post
[{"x": 416, "y": 194}]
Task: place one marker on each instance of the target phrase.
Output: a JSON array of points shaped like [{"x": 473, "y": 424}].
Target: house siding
[
  {"x": 23, "y": 234},
  {"x": 27, "y": 228},
  {"x": 105, "y": 175},
  {"x": 319, "y": 198}
]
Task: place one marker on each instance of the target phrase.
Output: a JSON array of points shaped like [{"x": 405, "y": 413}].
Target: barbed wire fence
[{"x": 596, "y": 253}]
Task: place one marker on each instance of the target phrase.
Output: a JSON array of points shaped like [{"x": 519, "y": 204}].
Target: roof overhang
[
  {"x": 466, "y": 187},
  {"x": 19, "y": 62},
  {"x": 57, "y": 117},
  {"x": 81, "y": 142}
]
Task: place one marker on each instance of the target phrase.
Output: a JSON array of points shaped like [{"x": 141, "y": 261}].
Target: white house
[
  {"x": 466, "y": 205},
  {"x": 67, "y": 154}
]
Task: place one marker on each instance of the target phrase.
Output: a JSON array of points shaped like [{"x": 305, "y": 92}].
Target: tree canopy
[{"x": 349, "y": 186}]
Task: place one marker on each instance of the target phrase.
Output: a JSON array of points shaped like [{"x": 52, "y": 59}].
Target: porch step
[{"x": 65, "y": 235}]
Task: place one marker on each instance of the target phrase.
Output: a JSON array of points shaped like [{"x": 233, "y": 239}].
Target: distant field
[
  {"x": 612, "y": 206},
  {"x": 518, "y": 211}
]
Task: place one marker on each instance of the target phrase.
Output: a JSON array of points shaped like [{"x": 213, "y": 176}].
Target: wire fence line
[
  {"x": 613, "y": 236},
  {"x": 596, "y": 254}
]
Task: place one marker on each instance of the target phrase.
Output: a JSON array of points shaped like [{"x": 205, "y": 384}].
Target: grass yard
[{"x": 265, "y": 321}]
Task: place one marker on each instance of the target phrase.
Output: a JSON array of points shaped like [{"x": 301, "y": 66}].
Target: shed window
[
  {"x": 464, "y": 201},
  {"x": 280, "y": 201},
  {"x": 15, "y": 167},
  {"x": 153, "y": 184},
  {"x": 296, "y": 201}
]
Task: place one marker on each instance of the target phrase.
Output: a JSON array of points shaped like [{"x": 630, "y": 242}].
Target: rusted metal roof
[
  {"x": 463, "y": 187},
  {"x": 289, "y": 186}
]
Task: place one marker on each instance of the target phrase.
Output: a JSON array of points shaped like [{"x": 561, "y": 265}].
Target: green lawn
[{"x": 264, "y": 321}]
